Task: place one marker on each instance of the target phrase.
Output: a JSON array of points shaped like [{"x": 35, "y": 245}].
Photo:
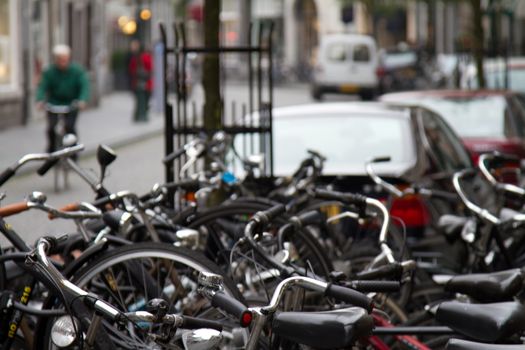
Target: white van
[{"x": 346, "y": 63}]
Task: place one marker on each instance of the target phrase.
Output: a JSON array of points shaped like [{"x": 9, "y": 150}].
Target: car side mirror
[{"x": 105, "y": 156}]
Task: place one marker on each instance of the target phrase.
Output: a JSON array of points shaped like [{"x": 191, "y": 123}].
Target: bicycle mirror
[{"x": 105, "y": 156}]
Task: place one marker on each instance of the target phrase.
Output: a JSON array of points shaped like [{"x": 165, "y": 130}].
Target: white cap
[{"x": 61, "y": 50}]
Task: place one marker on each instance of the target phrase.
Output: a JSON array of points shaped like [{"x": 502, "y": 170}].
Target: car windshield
[
  {"x": 471, "y": 116},
  {"x": 347, "y": 141}
]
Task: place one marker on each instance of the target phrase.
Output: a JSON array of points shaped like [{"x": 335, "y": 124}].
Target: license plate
[{"x": 349, "y": 88}]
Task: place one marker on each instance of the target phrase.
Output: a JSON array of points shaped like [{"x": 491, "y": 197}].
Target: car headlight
[{"x": 63, "y": 332}]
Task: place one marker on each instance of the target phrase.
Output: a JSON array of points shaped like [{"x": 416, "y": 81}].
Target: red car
[{"x": 486, "y": 120}]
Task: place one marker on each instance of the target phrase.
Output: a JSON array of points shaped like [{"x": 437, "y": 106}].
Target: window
[
  {"x": 518, "y": 103},
  {"x": 336, "y": 52},
  {"x": 444, "y": 147},
  {"x": 5, "y": 44},
  {"x": 477, "y": 116},
  {"x": 361, "y": 53},
  {"x": 346, "y": 140}
]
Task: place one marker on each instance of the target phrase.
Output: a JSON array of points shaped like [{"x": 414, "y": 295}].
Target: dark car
[
  {"x": 486, "y": 120},
  {"x": 422, "y": 148}
]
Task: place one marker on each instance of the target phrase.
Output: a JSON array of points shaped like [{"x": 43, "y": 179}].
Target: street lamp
[{"x": 145, "y": 14}]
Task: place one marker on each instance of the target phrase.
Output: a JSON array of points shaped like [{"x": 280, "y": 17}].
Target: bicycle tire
[{"x": 114, "y": 264}]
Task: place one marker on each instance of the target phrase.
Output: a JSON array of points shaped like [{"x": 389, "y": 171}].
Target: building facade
[
  {"x": 28, "y": 31},
  {"x": 11, "y": 91}
]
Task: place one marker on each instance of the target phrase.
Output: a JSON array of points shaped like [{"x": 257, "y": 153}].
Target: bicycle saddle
[
  {"x": 488, "y": 287},
  {"x": 324, "y": 330},
  {"x": 483, "y": 322},
  {"x": 458, "y": 344}
]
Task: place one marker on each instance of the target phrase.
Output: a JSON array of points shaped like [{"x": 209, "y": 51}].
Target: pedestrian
[
  {"x": 140, "y": 72},
  {"x": 66, "y": 84}
]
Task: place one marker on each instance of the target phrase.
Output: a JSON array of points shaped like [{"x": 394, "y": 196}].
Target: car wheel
[{"x": 367, "y": 95}]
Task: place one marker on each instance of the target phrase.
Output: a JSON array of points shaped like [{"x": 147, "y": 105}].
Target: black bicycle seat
[
  {"x": 488, "y": 287},
  {"x": 483, "y": 322},
  {"x": 458, "y": 344},
  {"x": 326, "y": 329}
]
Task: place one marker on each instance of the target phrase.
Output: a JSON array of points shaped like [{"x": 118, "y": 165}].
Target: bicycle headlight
[{"x": 63, "y": 332}]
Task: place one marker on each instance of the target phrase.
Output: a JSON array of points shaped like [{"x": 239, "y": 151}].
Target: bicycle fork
[{"x": 18, "y": 315}]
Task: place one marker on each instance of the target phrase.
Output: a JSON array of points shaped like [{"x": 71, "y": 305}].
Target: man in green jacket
[{"x": 63, "y": 84}]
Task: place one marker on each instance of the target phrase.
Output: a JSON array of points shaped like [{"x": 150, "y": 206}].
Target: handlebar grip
[
  {"x": 6, "y": 175},
  {"x": 350, "y": 296},
  {"x": 68, "y": 207},
  {"x": 197, "y": 323},
  {"x": 312, "y": 217},
  {"x": 113, "y": 218},
  {"x": 375, "y": 286},
  {"x": 316, "y": 154},
  {"x": 48, "y": 164},
  {"x": 268, "y": 215},
  {"x": 233, "y": 307},
  {"x": 349, "y": 198},
  {"x": 381, "y": 159},
  {"x": 173, "y": 155},
  {"x": 56, "y": 244},
  {"x": 12, "y": 209},
  {"x": 102, "y": 201},
  {"x": 394, "y": 270}
]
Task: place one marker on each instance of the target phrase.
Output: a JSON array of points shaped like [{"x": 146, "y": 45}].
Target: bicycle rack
[{"x": 254, "y": 125}]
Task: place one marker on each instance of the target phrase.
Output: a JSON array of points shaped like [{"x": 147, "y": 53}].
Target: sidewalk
[{"x": 110, "y": 123}]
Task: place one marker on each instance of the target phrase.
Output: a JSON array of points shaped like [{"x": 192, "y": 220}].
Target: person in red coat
[{"x": 140, "y": 70}]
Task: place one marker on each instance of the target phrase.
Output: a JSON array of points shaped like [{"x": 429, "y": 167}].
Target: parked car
[
  {"x": 422, "y": 148},
  {"x": 401, "y": 70},
  {"x": 486, "y": 120},
  {"x": 347, "y": 64}
]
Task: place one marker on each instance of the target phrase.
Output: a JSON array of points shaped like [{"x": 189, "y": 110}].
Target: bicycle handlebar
[
  {"x": 39, "y": 256},
  {"x": 363, "y": 202},
  {"x": 482, "y": 164},
  {"x": 61, "y": 109},
  {"x": 233, "y": 307},
  {"x": 341, "y": 293},
  {"x": 185, "y": 322},
  {"x": 71, "y": 211},
  {"x": 482, "y": 213},
  {"x": 65, "y": 152}
]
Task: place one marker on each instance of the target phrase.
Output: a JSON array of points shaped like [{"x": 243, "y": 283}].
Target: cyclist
[{"x": 63, "y": 84}]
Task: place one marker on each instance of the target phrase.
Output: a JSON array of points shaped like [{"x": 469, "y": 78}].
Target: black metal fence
[{"x": 248, "y": 118}]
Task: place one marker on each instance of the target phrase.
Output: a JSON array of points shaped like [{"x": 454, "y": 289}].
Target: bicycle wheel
[{"x": 129, "y": 276}]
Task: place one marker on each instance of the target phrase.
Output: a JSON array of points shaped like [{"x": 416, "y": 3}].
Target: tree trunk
[
  {"x": 211, "y": 67},
  {"x": 478, "y": 40}
]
